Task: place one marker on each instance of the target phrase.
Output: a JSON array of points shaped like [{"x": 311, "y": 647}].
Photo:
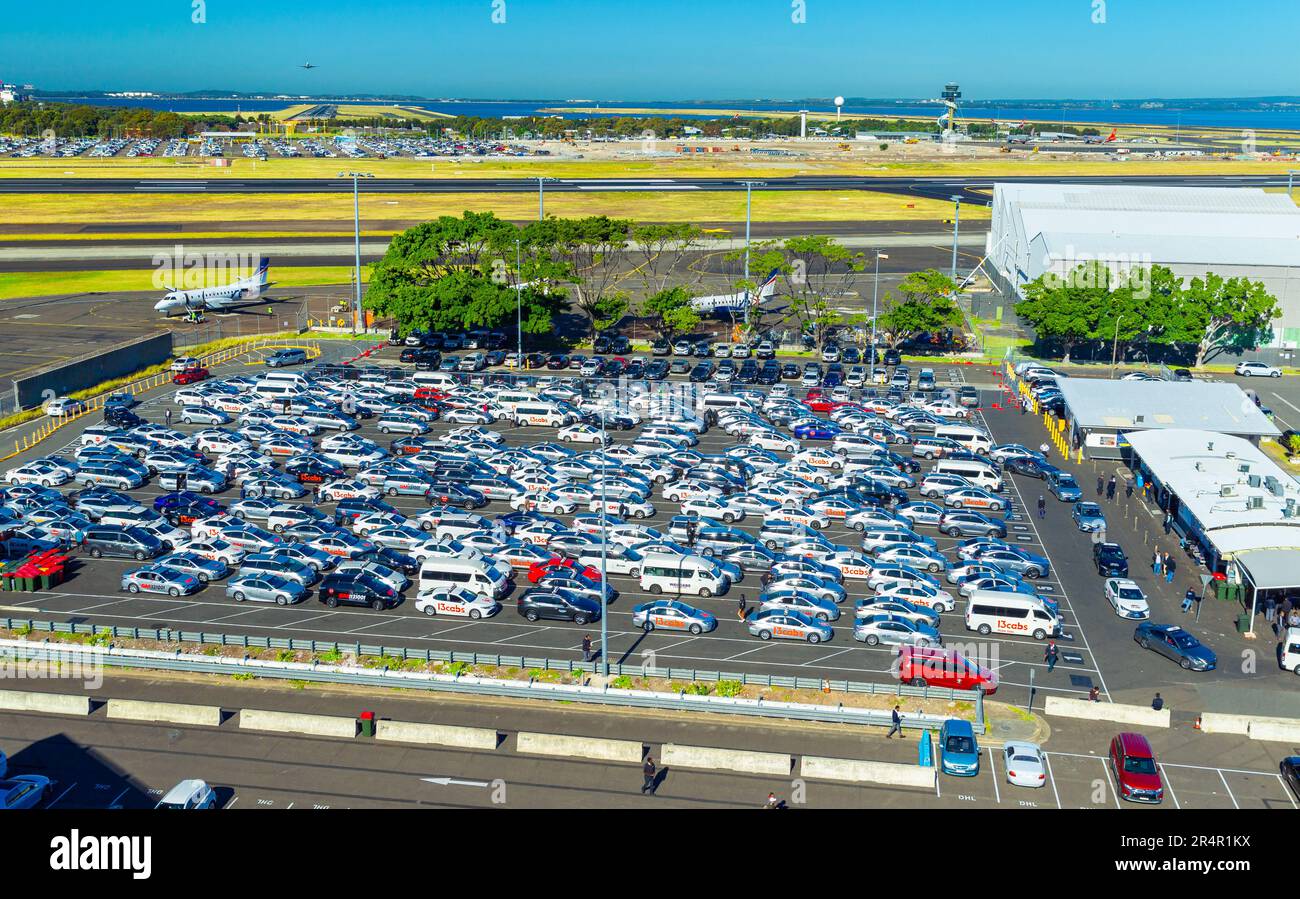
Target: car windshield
[
  {"x": 1140, "y": 765},
  {"x": 1185, "y": 641},
  {"x": 1024, "y": 758},
  {"x": 960, "y": 744},
  {"x": 1130, "y": 593}
]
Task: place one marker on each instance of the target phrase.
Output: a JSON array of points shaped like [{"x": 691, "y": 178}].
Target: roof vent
[
  {"x": 1137, "y": 419},
  {"x": 1230, "y": 455},
  {"x": 1209, "y": 447}
]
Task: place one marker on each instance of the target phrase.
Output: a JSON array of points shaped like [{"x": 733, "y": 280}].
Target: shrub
[{"x": 729, "y": 688}]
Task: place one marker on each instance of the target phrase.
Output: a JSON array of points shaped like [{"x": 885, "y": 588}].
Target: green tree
[
  {"x": 1215, "y": 314},
  {"x": 585, "y": 254},
  {"x": 672, "y": 312},
  {"x": 926, "y": 302},
  {"x": 815, "y": 270},
  {"x": 1071, "y": 308},
  {"x": 660, "y": 249}
]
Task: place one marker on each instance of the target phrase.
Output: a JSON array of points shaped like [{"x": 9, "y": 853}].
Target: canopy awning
[{"x": 1271, "y": 569}]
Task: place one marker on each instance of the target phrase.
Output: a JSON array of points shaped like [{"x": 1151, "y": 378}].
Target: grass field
[
  {"x": 772, "y": 206},
  {"x": 865, "y": 160},
  {"x": 32, "y": 284}
]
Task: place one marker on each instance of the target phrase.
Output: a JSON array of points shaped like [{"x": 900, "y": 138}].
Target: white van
[
  {"x": 1291, "y": 650},
  {"x": 284, "y": 377},
  {"x": 724, "y": 402},
  {"x": 272, "y": 393},
  {"x": 992, "y": 611},
  {"x": 969, "y": 436},
  {"x": 977, "y": 473},
  {"x": 511, "y": 399},
  {"x": 669, "y": 573},
  {"x": 440, "y": 379},
  {"x": 479, "y": 576},
  {"x": 541, "y": 413}
]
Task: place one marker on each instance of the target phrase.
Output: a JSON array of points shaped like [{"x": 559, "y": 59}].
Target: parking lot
[{"x": 1096, "y": 646}]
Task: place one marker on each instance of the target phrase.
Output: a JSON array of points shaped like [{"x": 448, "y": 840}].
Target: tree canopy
[{"x": 926, "y": 302}]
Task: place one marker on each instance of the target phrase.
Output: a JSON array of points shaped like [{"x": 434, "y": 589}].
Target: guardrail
[
  {"x": 461, "y": 683},
  {"x": 144, "y": 385},
  {"x": 523, "y": 663}
]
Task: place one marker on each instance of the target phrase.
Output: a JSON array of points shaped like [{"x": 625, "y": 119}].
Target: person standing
[
  {"x": 1169, "y": 521},
  {"x": 1050, "y": 656},
  {"x": 742, "y": 606},
  {"x": 1158, "y": 703},
  {"x": 1171, "y": 565},
  {"x": 1270, "y": 611},
  {"x": 1128, "y": 489},
  {"x": 1156, "y": 562},
  {"x": 1110, "y": 488},
  {"x": 1042, "y": 506},
  {"x": 896, "y": 724},
  {"x": 167, "y": 416},
  {"x": 1101, "y": 485},
  {"x": 1044, "y": 449},
  {"x": 586, "y": 647},
  {"x": 1189, "y": 599},
  {"x": 649, "y": 772}
]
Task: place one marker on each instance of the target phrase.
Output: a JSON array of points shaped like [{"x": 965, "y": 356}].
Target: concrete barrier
[
  {"x": 745, "y": 762},
  {"x": 860, "y": 771},
  {"x": 1223, "y": 723},
  {"x": 436, "y": 734},
  {"x": 171, "y": 712},
  {"x": 1275, "y": 731},
  {"x": 628, "y": 751},
  {"x": 294, "y": 723},
  {"x": 1106, "y": 711},
  {"x": 54, "y": 703}
]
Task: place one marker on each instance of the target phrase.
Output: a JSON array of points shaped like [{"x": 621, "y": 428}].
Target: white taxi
[{"x": 456, "y": 602}]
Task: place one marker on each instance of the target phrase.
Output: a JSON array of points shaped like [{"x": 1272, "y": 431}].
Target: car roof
[{"x": 1134, "y": 744}]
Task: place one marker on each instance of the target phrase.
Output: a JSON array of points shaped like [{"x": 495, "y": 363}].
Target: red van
[
  {"x": 1135, "y": 769},
  {"x": 932, "y": 666}
]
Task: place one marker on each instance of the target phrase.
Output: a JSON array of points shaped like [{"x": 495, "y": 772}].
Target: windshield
[
  {"x": 960, "y": 744},
  {"x": 1130, "y": 593},
  {"x": 1140, "y": 765}
]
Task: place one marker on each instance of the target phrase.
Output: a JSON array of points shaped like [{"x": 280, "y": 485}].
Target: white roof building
[{"x": 1234, "y": 232}]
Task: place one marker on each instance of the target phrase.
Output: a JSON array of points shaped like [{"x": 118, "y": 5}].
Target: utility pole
[
  {"x": 357, "y": 316},
  {"x": 749, "y": 206},
  {"x": 956, "y": 224},
  {"x": 875, "y": 296}
]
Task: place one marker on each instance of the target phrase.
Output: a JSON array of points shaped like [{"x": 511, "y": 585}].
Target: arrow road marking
[{"x": 448, "y": 781}]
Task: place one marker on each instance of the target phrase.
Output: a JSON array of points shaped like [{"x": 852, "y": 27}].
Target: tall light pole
[
  {"x": 875, "y": 296},
  {"x": 519, "y": 308},
  {"x": 956, "y": 224},
  {"x": 749, "y": 206},
  {"x": 604, "y": 552},
  {"x": 357, "y": 317},
  {"x": 541, "y": 197}
]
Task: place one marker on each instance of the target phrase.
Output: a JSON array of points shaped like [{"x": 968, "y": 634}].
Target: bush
[
  {"x": 729, "y": 688},
  {"x": 697, "y": 688},
  {"x": 622, "y": 682},
  {"x": 1293, "y": 444}
]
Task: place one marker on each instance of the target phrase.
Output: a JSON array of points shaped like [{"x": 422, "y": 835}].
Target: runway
[{"x": 970, "y": 189}]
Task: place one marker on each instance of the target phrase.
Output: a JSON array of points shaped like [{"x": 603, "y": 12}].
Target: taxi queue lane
[{"x": 93, "y": 595}]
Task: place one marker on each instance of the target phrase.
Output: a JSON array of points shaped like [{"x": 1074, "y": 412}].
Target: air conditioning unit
[
  {"x": 1289, "y": 510},
  {"x": 1273, "y": 485},
  {"x": 1243, "y": 467},
  {"x": 1254, "y": 480},
  {"x": 1228, "y": 490},
  {"x": 1255, "y": 502}
]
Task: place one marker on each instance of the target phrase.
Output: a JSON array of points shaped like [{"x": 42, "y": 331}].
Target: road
[{"x": 971, "y": 189}]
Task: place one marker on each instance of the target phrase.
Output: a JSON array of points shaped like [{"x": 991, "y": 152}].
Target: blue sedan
[
  {"x": 1088, "y": 517},
  {"x": 820, "y": 430}
]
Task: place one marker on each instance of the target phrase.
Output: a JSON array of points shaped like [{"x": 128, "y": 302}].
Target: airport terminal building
[{"x": 1234, "y": 232}]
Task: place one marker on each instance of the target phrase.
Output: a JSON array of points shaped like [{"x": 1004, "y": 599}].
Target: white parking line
[
  {"x": 54, "y": 801},
  {"x": 1052, "y": 779},
  {"x": 1169, "y": 785},
  {"x": 993, "y": 766},
  {"x": 1229, "y": 789}
]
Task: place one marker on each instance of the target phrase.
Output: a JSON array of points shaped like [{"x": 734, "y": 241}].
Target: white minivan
[
  {"x": 992, "y": 611},
  {"x": 440, "y": 379},
  {"x": 275, "y": 376},
  {"x": 978, "y": 473},
  {"x": 969, "y": 436},
  {"x": 479, "y": 576},
  {"x": 669, "y": 573}
]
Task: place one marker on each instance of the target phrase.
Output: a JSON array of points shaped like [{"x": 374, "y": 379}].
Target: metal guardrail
[{"x": 533, "y": 689}]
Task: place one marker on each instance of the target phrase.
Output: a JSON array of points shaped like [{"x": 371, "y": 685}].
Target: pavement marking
[
  {"x": 52, "y": 803},
  {"x": 1229, "y": 789},
  {"x": 1169, "y": 785},
  {"x": 1052, "y": 778},
  {"x": 993, "y": 766}
]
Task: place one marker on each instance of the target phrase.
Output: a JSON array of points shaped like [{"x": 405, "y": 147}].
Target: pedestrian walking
[
  {"x": 1042, "y": 507},
  {"x": 1024, "y": 405},
  {"x": 649, "y": 771},
  {"x": 1128, "y": 489},
  {"x": 1044, "y": 449},
  {"x": 1270, "y": 610},
  {"x": 896, "y": 725},
  {"x": 1157, "y": 562},
  {"x": 773, "y": 802},
  {"x": 742, "y": 606},
  {"x": 1158, "y": 703},
  {"x": 1189, "y": 600},
  {"x": 1110, "y": 488},
  {"x": 1050, "y": 656},
  {"x": 1094, "y": 695},
  {"x": 586, "y": 647},
  {"x": 167, "y": 416},
  {"x": 1171, "y": 564},
  {"x": 1101, "y": 485},
  {"x": 1169, "y": 520}
]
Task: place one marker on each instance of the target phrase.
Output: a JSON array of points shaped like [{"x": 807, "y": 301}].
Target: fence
[
  {"x": 144, "y": 385},
  {"x": 494, "y": 660}
]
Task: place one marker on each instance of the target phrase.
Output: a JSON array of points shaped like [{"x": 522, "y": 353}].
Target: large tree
[
  {"x": 1215, "y": 314},
  {"x": 450, "y": 274},
  {"x": 815, "y": 271},
  {"x": 1070, "y": 308},
  {"x": 925, "y": 302},
  {"x": 586, "y": 254},
  {"x": 660, "y": 249},
  {"x": 672, "y": 312}
]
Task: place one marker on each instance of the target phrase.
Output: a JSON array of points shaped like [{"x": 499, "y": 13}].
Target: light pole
[
  {"x": 1114, "y": 347},
  {"x": 541, "y": 197},
  {"x": 357, "y": 318},
  {"x": 875, "y": 296},
  {"x": 956, "y": 224},
  {"x": 604, "y": 551},
  {"x": 749, "y": 205}
]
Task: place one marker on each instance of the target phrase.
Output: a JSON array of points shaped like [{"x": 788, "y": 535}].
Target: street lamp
[
  {"x": 541, "y": 197},
  {"x": 875, "y": 295},
  {"x": 956, "y": 223},
  {"x": 356, "y": 227},
  {"x": 749, "y": 205}
]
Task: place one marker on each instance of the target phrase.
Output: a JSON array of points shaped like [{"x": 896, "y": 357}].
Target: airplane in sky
[
  {"x": 730, "y": 302},
  {"x": 307, "y": 65},
  {"x": 218, "y": 299}
]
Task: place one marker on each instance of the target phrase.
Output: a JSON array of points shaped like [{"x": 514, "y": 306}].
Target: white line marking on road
[
  {"x": 1169, "y": 785},
  {"x": 1229, "y": 789},
  {"x": 1052, "y": 778},
  {"x": 1105, "y": 767},
  {"x": 993, "y": 765},
  {"x": 61, "y": 795}
]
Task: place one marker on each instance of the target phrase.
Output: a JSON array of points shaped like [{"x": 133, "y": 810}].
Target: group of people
[
  {"x": 1164, "y": 563},
  {"x": 1282, "y": 615}
]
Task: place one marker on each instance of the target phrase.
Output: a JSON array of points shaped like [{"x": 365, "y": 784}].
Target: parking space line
[
  {"x": 1169, "y": 785},
  {"x": 1286, "y": 791},
  {"x": 1229, "y": 789},
  {"x": 1105, "y": 768},
  {"x": 993, "y": 767},
  {"x": 53, "y": 802},
  {"x": 1051, "y": 777}
]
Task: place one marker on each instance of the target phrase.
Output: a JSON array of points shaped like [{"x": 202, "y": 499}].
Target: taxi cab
[
  {"x": 787, "y": 625},
  {"x": 457, "y": 602},
  {"x": 673, "y": 615}
]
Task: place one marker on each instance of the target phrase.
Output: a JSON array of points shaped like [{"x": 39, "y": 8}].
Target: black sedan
[
  {"x": 536, "y": 604},
  {"x": 1110, "y": 559},
  {"x": 1028, "y": 465},
  {"x": 701, "y": 372}
]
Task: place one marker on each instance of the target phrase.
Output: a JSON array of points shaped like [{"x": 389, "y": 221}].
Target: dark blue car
[{"x": 821, "y": 430}]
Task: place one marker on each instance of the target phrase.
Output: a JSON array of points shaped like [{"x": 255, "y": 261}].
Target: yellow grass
[
  {"x": 28, "y": 284},
  {"x": 772, "y": 206}
]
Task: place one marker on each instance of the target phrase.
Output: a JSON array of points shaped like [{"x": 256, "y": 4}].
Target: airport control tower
[{"x": 951, "y": 94}]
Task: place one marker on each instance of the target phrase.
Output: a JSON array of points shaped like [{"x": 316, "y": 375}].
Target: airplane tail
[
  {"x": 768, "y": 287},
  {"x": 259, "y": 280},
  {"x": 1112, "y": 136}
]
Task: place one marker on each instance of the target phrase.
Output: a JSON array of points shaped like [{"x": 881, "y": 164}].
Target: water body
[{"x": 1287, "y": 118}]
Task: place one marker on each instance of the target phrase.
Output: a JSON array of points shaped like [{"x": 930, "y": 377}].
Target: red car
[
  {"x": 189, "y": 376},
  {"x": 1135, "y": 769},
  {"x": 539, "y": 570},
  {"x": 931, "y": 666},
  {"x": 430, "y": 393}
]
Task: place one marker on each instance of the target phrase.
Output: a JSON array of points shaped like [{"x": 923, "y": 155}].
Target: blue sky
[{"x": 661, "y": 49}]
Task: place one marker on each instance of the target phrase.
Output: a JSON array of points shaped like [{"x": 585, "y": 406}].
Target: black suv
[
  {"x": 561, "y": 605},
  {"x": 893, "y": 357},
  {"x": 1110, "y": 559},
  {"x": 357, "y": 590},
  {"x": 121, "y": 416}
]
